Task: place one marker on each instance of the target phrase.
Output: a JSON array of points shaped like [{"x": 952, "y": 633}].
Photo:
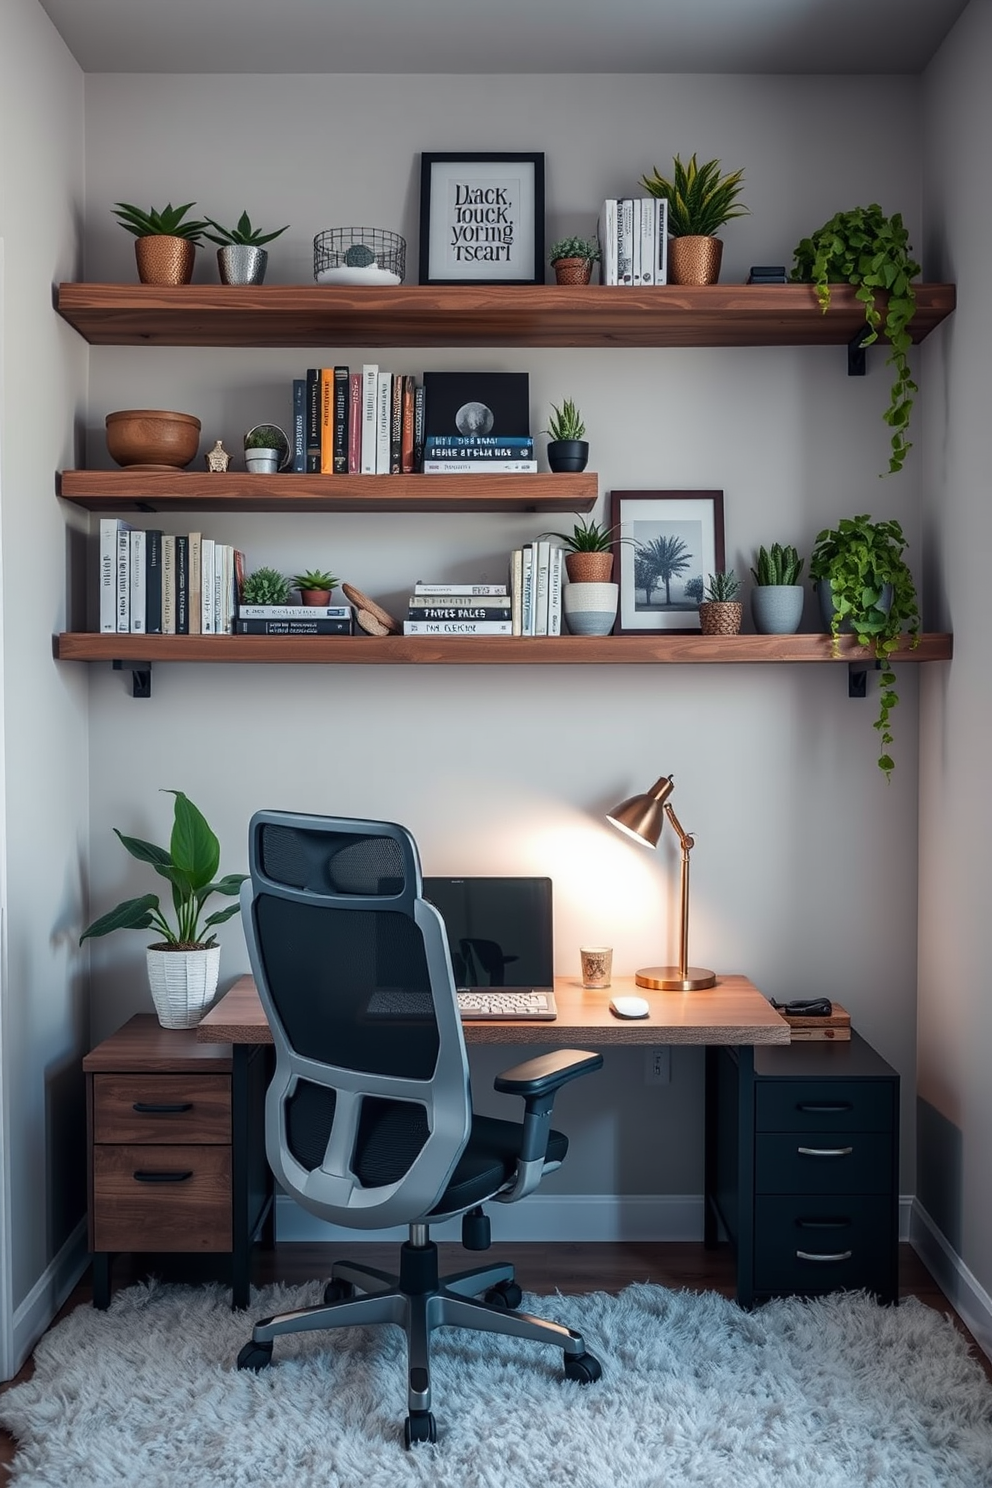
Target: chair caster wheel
[
  {"x": 255, "y": 1356},
  {"x": 583, "y": 1368},
  {"x": 419, "y": 1426},
  {"x": 505, "y": 1295},
  {"x": 338, "y": 1291}
]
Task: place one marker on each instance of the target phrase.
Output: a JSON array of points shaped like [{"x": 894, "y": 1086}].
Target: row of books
[
  {"x": 163, "y": 584},
  {"x": 633, "y": 241},
  {"x": 374, "y": 422},
  {"x": 529, "y": 604}
]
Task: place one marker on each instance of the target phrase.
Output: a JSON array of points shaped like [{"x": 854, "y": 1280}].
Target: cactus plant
[
  {"x": 777, "y": 565},
  {"x": 722, "y": 588},
  {"x": 565, "y": 422}
]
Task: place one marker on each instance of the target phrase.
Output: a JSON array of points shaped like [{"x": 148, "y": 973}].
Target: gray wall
[
  {"x": 45, "y": 1016},
  {"x": 955, "y": 1009},
  {"x": 805, "y": 869}
]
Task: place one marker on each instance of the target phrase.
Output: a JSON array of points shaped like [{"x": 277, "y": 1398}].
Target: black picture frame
[
  {"x": 495, "y": 241},
  {"x": 638, "y": 519}
]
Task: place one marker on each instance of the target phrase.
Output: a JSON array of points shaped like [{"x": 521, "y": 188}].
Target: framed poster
[
  {"x": 482, "y": 219},
  {"x": 665, "y": 546}
]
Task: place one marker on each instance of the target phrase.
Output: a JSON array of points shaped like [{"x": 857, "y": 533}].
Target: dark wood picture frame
[
  {"x": 692, "y": 518},
  {"x": 500, "y": 240}
]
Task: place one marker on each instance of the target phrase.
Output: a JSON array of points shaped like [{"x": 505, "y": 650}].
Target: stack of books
[
  {"x": 459, "y": 610},
  {"x": 294, "y": 620},
  {"x": 357, "y": 423},
  {"x": 155, "y": 583},
  {"x": 536, "y": 572},
  {"x": 477, "y": 422},
  {"x": 633, "y": 241}
]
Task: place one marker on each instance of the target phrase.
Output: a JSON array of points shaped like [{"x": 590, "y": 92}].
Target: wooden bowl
[{"x": 152, "y": 436}]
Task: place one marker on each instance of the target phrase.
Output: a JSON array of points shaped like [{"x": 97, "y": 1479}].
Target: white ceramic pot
[
  {"x": 590, "y": 609},
  {"x": 183, "y": 984}
]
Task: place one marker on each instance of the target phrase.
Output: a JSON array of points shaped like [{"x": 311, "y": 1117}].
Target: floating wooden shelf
[
  {"x": 183, "y": 490},
  {"x": 472, "y": 315},
  {"x": 473, "y": 651}
]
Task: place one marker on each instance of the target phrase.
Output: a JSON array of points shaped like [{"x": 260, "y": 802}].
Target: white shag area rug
[{"x": 837, "y": 1393}]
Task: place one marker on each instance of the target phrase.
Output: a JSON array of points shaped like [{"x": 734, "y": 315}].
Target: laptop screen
[{"x": 500, "y": 930}]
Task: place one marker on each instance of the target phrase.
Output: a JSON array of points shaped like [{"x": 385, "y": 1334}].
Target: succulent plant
[
  {"x": 164, "y": 221},
  {"x": 359, "y": 256},
  {"x": 314, "y": 578},
  {"x": 265, "y": 586},
  {"x": 265, "y": 436},
  {"x": 722, "y": 588},
  {"x": 777, "y": 565},
  {"x": 586, "y": 248},
  {"x": 700, "y": 200},
  {"x": 243, "y": 232},
  {"x": 586, "y": 537},
  {"x": 565, "y": 422}
]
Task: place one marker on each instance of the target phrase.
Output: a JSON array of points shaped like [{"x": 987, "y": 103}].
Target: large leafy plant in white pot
[{"x": 184, "y": 965}]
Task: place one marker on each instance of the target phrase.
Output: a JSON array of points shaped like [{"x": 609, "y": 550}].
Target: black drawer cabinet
[{"x": 802, "y": 1158}]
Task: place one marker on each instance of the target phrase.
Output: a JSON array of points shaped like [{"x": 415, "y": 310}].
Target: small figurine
[{"x": 217, "y": 458}]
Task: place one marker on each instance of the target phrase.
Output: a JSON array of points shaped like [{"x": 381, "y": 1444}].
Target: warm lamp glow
[{"x": 643, "y": 817}]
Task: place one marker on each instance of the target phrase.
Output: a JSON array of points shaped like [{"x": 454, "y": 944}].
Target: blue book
[{"x": 299, "y": 425}]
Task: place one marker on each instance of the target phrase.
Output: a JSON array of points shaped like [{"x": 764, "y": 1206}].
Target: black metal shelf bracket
[
  {"x": 141, "y": 676},
  {"x": 857, "y": 356},
  {"x": 857, "y": 677}
]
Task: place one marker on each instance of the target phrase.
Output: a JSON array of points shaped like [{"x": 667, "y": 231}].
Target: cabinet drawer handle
[
  {"x": 808, "y": 1255},
  {"x": 841, "y": 1222},
  {"x": 825, "y": 1151},
  {"x": 161, "y": 1108},
  {"x": 825, "y": 1107},
  {"x": 145, "y": 1177}
]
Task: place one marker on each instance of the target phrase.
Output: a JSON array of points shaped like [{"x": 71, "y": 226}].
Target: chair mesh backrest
[{"x": 353, "y": 970}]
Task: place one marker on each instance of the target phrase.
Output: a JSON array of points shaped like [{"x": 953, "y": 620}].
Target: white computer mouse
[{"x": 629, "y": 1007}]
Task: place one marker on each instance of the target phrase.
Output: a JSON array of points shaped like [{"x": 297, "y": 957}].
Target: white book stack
[{"x": 633, "y": 241}]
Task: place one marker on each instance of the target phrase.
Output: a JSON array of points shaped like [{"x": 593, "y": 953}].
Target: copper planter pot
[
  {"x": 164, "y": 260},
  {"x": 694, "y": 260},
  {"x": 572, "y": 270},
  {"x": 589, "y": 568}
]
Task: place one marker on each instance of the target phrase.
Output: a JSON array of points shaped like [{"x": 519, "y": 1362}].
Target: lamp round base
[{"x": 670, "y": 978}]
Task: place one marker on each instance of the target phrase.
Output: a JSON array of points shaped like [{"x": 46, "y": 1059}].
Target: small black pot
[{"x": 569, "y": 455}]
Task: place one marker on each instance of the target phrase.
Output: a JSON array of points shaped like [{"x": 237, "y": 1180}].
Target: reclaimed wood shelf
[
  {"x": 476, "y": 315},
  {"x": 184, "y": 490},
  {"x": 131, "y": 650}
]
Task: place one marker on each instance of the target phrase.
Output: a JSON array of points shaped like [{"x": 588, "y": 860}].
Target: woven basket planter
[
  {"x": 183, "y": 984},
  {"x": 572, "y": 270},
  {"x": 720, "y": 616},
  {"x": 589, "y": 568}
]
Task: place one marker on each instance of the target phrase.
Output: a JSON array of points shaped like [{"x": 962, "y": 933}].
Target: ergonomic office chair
[{"x": 368, "y": 1118}]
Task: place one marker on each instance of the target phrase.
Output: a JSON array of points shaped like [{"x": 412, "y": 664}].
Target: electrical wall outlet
[{"x": 658, "y": 1065}]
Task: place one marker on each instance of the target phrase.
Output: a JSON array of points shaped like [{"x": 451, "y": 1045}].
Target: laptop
[{"x": 501, "y": 939}]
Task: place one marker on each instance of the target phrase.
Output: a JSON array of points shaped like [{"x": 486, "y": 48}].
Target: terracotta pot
[
  {"x": 164, "y": 260},
  {"x": 589, "y": 568},
  {"x": 720, "y": 616},
  {"x": 315, "y": 596},
  {"x": 694, "y": 260},
  {"x": 572, "y": 270},
  {"x": 152, "y": 436}
]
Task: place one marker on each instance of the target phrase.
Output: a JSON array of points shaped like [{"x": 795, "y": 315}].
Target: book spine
[
  {"x": 226, "y": 597},
  {"x": 608, "y": 241},
  {"x": 625, "y": 241},
  {"x": 354, "y": 423},
  {"x": 450, "y": 612},
  {"x": 137, "y": 609},
  {"x": 153, "y": 582},
  {"x": 437, "y": 449},
  {"x": 661, "y": 236},
  {"x": 292, "y": 627},
  {"x": 480, "y": 467},
  {"x": 419, "y": 420},
  {"x": 406, "y": 429},
  {"x": 527, "y": 591},
  {"x": 108, "y": 573},
  {"x": 457, "y": 627},
  {"x": 240, "y": 570},
  {"x": 370, "y": 402},
  {"x": 554, "y": 590},
  {"x": 457, "y": 601},
  {"x": 516, "y": 558},
  {"x": 648, "y": 226},
  {"x": 182, "y": 584},
  {"x": 383, "y": 422},
  {"x": 313, "y": 420},
  {"x": 124, "y": 577},
  {"x": 396, "y": 424},
  {"x": 195, "y": 595},
  {"x": 168, "y": 584},
  {"x": 327, "y": 420},
  {"x": 479, "y": 443},
  {"x": 635, "y": 241},
  {"x": 423, "y": 587},
  {"x": 294, "y": 612},
  {"x": 543, "y": 560},
  {"x": 341, "y": 375},
  {"x": 206, "y": 586},
  {"x": 299, "y": 425}
]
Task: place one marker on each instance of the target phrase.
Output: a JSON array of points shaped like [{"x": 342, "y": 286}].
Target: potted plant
[
  {"x": 183, "y": 966},
  {"x": 777, "y": 598},
  {"x": 266, "y": 449},
  {"x": 265, "y": 586},
  {"x": 864, "y": 585},
  {"x": 871, "y": 251},
  {"x": 720, "y": 611},
  {"x": 568, "y": 450},
  {"x": 588, "y": 552},
  {"x": 241, "y": 259},
  {"x": 166, "y": 243},
  {"x": 572, "y": 259},
  {"x": 315, "y": 586},
  {"x": 700, "y": 201}
]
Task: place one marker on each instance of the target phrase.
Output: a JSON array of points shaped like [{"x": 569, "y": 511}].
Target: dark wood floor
[{"x": 579, "y": 1267}]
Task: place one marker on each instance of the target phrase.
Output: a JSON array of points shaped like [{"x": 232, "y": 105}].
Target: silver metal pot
[{"x": 241, "y": 263}]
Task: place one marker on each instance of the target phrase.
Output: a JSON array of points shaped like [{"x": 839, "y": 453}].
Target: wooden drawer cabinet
[
  {"x": 802, "y": 1167},
  {"x": 176, "y": 1149}
]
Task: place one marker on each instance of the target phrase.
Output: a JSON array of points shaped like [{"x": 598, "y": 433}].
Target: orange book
[
  {"x": 406, "y": 437},
  {"x": 327, "y": 420}
]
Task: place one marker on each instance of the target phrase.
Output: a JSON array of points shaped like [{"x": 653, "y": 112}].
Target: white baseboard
[
  {"x": 45, "y": 1298},
  {"x": 968, "y": 1297}
]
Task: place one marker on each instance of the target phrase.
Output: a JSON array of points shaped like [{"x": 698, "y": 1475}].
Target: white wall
[
  {"x": 804, "y": 875},
  {"x": 955, "y": 1008},
  {"x": 46, "y": 806}
]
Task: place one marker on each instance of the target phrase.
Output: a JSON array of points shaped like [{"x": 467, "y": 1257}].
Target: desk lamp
[{"x": 642, "y": 817}]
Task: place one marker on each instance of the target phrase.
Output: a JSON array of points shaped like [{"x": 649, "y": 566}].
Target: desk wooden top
[{"x": 732, "y": 1012}]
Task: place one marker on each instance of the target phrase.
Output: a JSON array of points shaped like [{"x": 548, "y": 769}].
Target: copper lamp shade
[{"x": 642, "y": 817}]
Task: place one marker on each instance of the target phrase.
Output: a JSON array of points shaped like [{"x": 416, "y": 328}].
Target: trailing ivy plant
[
  {"x": 862, "y": 563},
  {"x": 871, "y": 251}
]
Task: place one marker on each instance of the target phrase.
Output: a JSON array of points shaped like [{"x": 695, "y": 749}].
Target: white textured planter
[
  {"x": 590, "y": 609},
  {"x": 183, "y": 984}
]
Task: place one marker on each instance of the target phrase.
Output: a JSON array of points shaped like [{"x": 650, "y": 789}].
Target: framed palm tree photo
[{"x": 665, "y": 546}]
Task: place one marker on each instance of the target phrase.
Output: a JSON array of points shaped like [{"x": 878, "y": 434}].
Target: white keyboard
[{"x": 495, "y": 1004}]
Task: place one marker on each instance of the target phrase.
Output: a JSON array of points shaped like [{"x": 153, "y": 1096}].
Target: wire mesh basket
[{"x": 359, "y": 255}]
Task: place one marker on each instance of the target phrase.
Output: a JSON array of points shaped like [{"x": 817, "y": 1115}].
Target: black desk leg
[
  {"x": 240, "y": 1188},
  {"x": 710, "y": 1151},
  {"x": 102, "y": 1261}
]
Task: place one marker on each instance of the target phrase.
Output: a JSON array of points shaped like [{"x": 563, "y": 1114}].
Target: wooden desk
[{"x": 732, "y": 1012}]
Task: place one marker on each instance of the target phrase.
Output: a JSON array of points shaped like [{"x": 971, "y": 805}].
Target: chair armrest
[{"x": 538, "y": 1082}]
